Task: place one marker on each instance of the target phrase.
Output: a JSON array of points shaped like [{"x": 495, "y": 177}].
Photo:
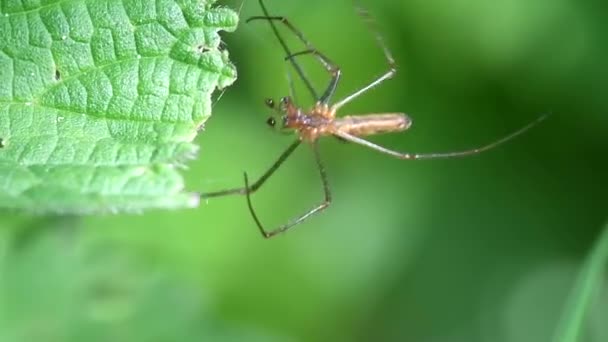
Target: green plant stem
[{"x": 586, "y": 286}]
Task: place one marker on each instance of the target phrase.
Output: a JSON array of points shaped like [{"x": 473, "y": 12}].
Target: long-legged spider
[{"x": 321, "y": 120}]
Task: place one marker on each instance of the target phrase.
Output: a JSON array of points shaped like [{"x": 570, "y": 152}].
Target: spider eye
[
  {"x": 269, "y": 103},
  {"x": 271, "y": 122}
]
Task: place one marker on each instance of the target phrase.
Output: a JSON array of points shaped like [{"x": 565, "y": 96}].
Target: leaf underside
[{"x": 100, "y": 100}]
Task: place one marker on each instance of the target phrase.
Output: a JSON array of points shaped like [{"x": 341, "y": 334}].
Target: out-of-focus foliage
[{"x": 484, "y": 248}]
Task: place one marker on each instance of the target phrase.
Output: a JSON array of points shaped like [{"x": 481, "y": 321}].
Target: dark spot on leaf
[
  {"x": 1, "y": 143},
  {"x": 57, "y": 75},
  {"x": 222, "y": 46},
  {"x": 202, "y": 49}
]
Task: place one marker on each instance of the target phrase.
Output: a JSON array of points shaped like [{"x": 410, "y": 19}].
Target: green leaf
[
  {"x": 587, "y": 285},
  {"x": 100, "y": 100}
]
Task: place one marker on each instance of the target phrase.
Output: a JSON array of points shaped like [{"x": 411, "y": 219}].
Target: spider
[{"x": 320, "y": 120}]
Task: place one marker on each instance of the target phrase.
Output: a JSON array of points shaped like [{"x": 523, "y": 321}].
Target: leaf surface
[{"x": 100, "y": 100}]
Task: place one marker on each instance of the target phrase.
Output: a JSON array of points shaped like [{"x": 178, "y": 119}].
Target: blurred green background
[{"x": 484, "y": 248}]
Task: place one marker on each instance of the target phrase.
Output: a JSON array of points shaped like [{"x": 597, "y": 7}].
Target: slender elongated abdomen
[{"x": 370, "y": 124}]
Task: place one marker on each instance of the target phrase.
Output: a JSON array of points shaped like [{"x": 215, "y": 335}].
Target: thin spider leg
[
  {"x": 400, "y": 155},
  {"x": 301, "y": 218},
  {"x": 371, "y": 23},
  {"x": 292, "y": 88},
  {"x": 331, "y": 68},
  {"x": 260, "y": 181},
  {"x": 389, "y": 74},
  {"x": 294, "y": 63}
]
